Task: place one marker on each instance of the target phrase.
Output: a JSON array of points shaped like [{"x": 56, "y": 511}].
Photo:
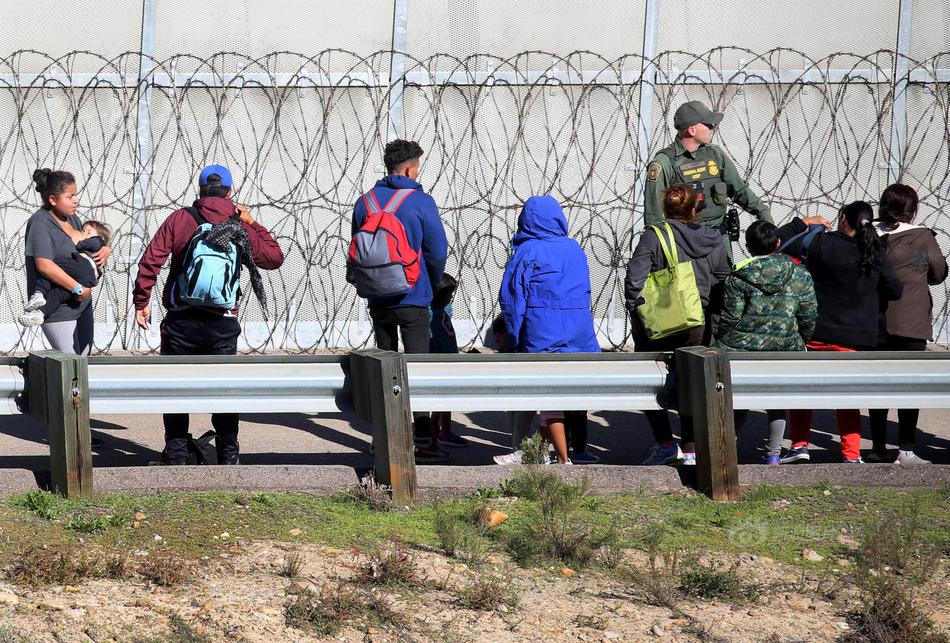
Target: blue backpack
[{"x": 211, "y": 276}]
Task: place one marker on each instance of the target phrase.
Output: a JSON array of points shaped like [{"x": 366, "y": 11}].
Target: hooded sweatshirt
[
  {"x": 919, "y": 263},
  {"x": 172, "y": 238},
  {"x": 698, "y": 244},
  {"x": 769, "y": 305},
  {"x": 545, "y": 292}
]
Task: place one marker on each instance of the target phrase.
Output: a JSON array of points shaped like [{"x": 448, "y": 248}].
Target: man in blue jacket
[{"x": 408, "y": 315}]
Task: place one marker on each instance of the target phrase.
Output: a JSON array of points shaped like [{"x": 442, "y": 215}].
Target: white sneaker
[
  {"x": 31, "y": 318},
  {"x": 509, "y": 458},
  {"x": 35, "y": 302},
  {"x": 909, "y": 457}
]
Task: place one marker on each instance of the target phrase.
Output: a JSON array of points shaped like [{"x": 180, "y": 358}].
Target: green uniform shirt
[{"x": 711, "y": 172}]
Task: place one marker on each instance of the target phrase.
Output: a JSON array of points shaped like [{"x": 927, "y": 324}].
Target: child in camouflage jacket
[{"x": 769, "y": 305}]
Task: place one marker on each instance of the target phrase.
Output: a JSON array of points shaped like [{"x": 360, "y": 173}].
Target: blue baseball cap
[{"x": 221, "y": 171}]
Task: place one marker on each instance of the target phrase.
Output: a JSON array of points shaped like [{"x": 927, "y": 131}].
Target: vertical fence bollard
[
  {"x": 704, "y": 388},
  {"x": 381, "y": 396},
  {"x": 58, "y": 394}
]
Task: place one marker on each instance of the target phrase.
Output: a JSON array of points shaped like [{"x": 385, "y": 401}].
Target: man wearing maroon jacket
[{"x": 188, "y": 330}]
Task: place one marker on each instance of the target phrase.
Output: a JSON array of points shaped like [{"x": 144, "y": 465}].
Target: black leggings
[
  {"x": 906, "y": 418},
  {"x": 412, "y": 323},
  {"x": 575, "y": 423}
]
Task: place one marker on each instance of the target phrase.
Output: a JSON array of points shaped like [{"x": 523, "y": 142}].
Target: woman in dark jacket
[
  {"x": 852, "y": 276},
  {"x": 919, "y": 264},
  {"x": 702, "y": 246}
]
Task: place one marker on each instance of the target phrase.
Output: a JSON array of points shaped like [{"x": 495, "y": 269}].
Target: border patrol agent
[{"x": 693, "y": 159}]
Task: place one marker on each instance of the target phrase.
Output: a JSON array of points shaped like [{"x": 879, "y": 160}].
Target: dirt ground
[{"x": 240, "y": 594}]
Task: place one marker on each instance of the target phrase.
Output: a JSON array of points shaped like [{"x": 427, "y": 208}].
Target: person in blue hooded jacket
[
  {"x": 545, "y": 295},
  {"x": 408, "y": 315}
]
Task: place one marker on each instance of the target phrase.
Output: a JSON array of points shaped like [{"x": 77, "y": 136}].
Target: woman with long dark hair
[{"x": 852, "y": 276}]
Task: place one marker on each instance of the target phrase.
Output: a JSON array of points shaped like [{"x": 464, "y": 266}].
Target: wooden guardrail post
[
  {"x": 704, "y": 387},
  {"x": 381, "y": 396},
  {"x": 58, "y": 397}
]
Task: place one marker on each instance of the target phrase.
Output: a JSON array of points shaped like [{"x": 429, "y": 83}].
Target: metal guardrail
[
  {"x": 384, "y": 388},
  {"x": 820, "y": 380},
  {"x": 11, "y": 384},
  {"x": 500, "y": 382},
  {"x": 507, "y": 382},
  {"x": 219, "y": 384}
]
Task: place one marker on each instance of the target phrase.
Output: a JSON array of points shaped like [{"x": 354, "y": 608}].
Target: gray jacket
[{"x": 698, "y": 244}]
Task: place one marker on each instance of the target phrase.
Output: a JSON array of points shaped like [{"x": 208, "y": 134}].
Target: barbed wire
[{"x": 304, "y": 136}]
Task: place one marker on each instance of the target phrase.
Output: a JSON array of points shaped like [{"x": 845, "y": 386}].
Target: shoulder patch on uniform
[{"x": 653, "y": 172}]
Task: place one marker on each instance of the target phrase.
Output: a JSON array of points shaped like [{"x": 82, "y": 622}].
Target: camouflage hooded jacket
[{"x": 769, "y": 305}]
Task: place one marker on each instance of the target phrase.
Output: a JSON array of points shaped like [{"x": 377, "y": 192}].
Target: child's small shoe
[
  {"x": 31, "y": 318},
  {"x": 771, "y": 459},
  {"x": 35, "y": 302},
  {"x": 689, "y": 459}
]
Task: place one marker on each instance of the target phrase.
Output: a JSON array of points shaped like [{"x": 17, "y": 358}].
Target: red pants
[{"x": 848, "y": 420}]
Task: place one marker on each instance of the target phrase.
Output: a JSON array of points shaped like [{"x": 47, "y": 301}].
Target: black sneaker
[
  {"x": 425, "y": 455},
  {"x": 796, "y": 455}
]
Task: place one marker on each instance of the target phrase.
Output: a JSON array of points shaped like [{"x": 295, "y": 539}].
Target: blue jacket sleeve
[
  {"x": 512, "y": 298},
  {"x": 359, "y": 216},
  {"x": 435, "y": 247}
]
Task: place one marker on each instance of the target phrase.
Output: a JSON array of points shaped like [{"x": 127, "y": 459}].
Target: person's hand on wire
[
  {"x": 245, "y": 214},
  {"x": 817, "y": 220}
]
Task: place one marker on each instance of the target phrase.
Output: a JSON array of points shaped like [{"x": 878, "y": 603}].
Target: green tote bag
[{"x": 670, "y": 297}]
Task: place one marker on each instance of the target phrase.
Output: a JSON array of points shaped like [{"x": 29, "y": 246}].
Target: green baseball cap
[{"x": 694, "y": 112}]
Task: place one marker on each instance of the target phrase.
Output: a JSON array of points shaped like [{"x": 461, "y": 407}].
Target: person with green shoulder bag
[{"x": 674, "y": 264}]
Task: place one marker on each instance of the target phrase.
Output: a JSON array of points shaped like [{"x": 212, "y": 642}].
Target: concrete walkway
[{"x": 288, "y": 445}]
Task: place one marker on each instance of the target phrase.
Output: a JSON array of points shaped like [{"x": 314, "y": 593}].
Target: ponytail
[{"x": 859, "y": 215}]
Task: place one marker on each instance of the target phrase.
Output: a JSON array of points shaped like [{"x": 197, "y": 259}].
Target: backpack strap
[
  {"x": 395, "y": 201},
  {"x": 809, "y": 236},
  {"x": 807, "y": 241},
  {"x": 196, "y": 215},
  {"x": 372, "y": 205}
]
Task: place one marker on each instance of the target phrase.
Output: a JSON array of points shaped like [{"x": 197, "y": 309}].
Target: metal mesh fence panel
[{"x": 304, "y": 136}]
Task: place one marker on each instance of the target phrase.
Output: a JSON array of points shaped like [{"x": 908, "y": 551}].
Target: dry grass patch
[
  {"x": 53, "y": 564},
  {"x": 326, "y": 610},
  {"x": 488, "y": 593},
  {"x": 164, "y": 568}
]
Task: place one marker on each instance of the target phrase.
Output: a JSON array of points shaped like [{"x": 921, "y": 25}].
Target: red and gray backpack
[{"x": 381, "y": 263}]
